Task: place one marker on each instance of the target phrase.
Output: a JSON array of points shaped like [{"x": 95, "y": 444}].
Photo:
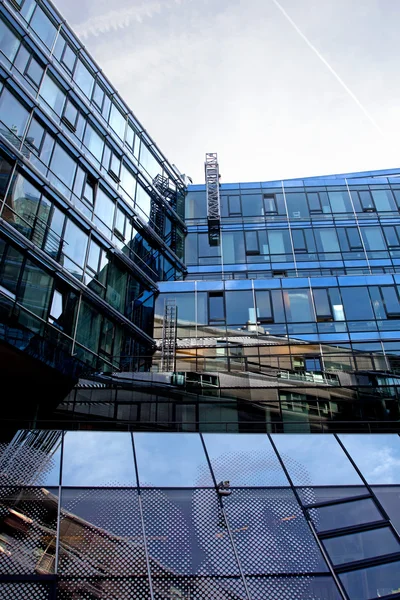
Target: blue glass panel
[
  {"x": 13, "y": 114},
  {"x": 171, "y": 460},
  {"x": 52, "y": 94},
  {"x": 315, "y": 460},
  {"x": 389, "y": 497},
  {"x": 98, "y": 458},
  {"x": 377, "y": 456},
  {"x": 347, "y": 514},
  {"x": 374, "y": 582},
  {"x": 44, "y": 28},
  {"x": 362, "y": 545},
  {"x": 244, "y": 460},
  {"x": 84, "y": 78},
  {"x": 9, "y": 43}
]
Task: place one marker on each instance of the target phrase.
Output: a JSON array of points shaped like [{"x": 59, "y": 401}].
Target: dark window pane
[
  {"x": 299, "y": 241},
  {"x": 314, "y": 203},
  {"x": 252, "y": 205},
  {"x": 63, "y": 166},
  {"x": 252, "y": 242},
  {"x": 347, "y": 514},
  {"x": 374, "y": 582},
  {"x": 264, "y": 309},
  {"x": 362, "y": 545},
  {"x": 357, "y": 303},
  {"x": 322, "y": 305},
  {"x": 240, "y": 308},
  {"x": 216, "y": 306},
  {"x": 10, "y": 269},
  {"x": 35, "y": 134},
  {"x": 234, "y": 205},
  {"x": 391, "y": 300},
  {"x": 75, "y": 243},
  {"x": 354, "y": 238},
  {"x": 35, "y": 72},
  {"x": 313, "y": 495},
  {"x": 269, "y": 205},
  {"x": 35, "y": 289},
  {"x": 389, "y": 497},
  {"x": 391, "y": 237},
  {"x": 366, "y": 200},
  {"x": 298, "y": 306}
]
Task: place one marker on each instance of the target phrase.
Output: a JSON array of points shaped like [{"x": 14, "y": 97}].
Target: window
[
  {"x": 13, "y": 114},
  {"x": 269, "y": 204},
  {"x": 340, "y": 202},
  {"x": 391, "y": 301},
  {"x": 9, "y": 42},
  {"x": 68, "y": 58},
  {"x": 98, "y": 96},
  {"x": 327, "y": 240},
  {"x": 298, "y": 306},
  {"x": 252, "y": 205},
  {"x": 312, "y": 363},
  {"x": 366, "y": 201},
  {"x": 75, "y": 243},
  {"x": 357, "y": 303},
  {"x": 63, "y": 166},
  {"x": 299, "y": 241},
  {"x": 89, "y": 191},
  {"x": 104, "y": 208},
  {"x": 143, "y": 200},
  {"x": 373, "y": 238},
  {"x": 240, "y": 308},
  {"x": 117, "y": 121},
  {"x": 354, "y": 239},
  {"x": 314, "y": 203},
  {"x": 84, "y": 78},
  {"x": 251, "y": 238},
  {"x": 114, "y": 167},
  {"x": 70, "y": 115},
  {"x": 297, "y": 205},
  {"x": 34, "y": 72},
  {"x": 43, "y": 27},
  {"x": 323, "y": 308},
  {"x": 279, "y": 241},
  {"x": 216, "y": 310},
  {"x": 392, "y": 236},
  {"x": 93, "y": 141},
  {"x": 52, "y": 94},
  {"x": 264, "y": 308},
  {"x": 35, "y": 135},
  {"x": 383, "y": 200},
  {"x": 234, "y": 206}
]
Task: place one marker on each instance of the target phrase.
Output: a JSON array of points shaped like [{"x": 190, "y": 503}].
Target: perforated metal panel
[
  {"x": 106, "y": 589},
  {"x": 28, "y": 518},
  {"x": 271, "y": 533},
  {"x": 205, "y": 588},
  {"x": 101, "y": 536},
  {"x": 24, "y": 591},
  {"x": 186, "y": 533}
]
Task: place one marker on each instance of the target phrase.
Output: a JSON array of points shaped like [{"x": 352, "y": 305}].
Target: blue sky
[{"x": 279, "y": 88}]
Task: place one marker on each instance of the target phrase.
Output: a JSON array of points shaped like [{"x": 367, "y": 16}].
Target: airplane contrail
[{"x": 328, "y": 66}]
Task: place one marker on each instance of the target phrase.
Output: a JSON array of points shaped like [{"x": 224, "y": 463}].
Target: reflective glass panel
[
  {"x": 52, "y": 94},
  {"x": 375, "y": 582},
  {"x": 389, "y": 497},
  {"x": 9, "y": 43},
  {"x": 12, "y": 113},
  {"x": 312, "y": 495},
  {"x": 84, "y": 78},
  {"x": 93, "y": 142},
  {"x": 293, "y": 588},
  {"x": 171, "y": 460},
  {"x": 377, "y": 456},
  {"x": 63, "y": 165},
  {"x": 315, "y": 460},
  {"x": 98, "y": 458},
  {"x": 345, "y": 514},
  {"x": 357, "y": 303},
  {"x": 117, "y": 121},
  {"x": 362, "y": 545},
  {"x": 244, "y": 460},
  {"x": 44, "y": 28}
]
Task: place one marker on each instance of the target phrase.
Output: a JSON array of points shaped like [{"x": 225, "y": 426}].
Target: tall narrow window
[
  {"x": 314, "y": 202},
  {"x": 216, "y": 310},
  {"x": 322, "y": 305},
  {"x": 354, "y": 238},
  {"x": 391, "y": 300},
  {"x": 252, "y": 246},
  {"x": 234, "y": 206},
  {"x": 269, "y": 204},
  {"x": 264, "y": 307},
  {"x": 299, "y": 241}
]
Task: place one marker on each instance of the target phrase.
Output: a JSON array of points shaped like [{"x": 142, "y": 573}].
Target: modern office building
[{"x": 200, "y": 383}]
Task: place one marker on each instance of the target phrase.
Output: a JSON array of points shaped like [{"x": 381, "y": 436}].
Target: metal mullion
[
  {"x": 341, "y": 589},
  {"x": 341, "y": 531},
  {"x": 367, "y": 563}
]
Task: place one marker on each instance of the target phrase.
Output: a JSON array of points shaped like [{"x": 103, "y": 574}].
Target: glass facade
[
  {"x": 163, "y": 381},
  {"x": 82, "y": 187}
]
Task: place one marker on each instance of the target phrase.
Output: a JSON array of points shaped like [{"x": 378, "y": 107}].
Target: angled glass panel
[
  {"x": 389, "y": 497},
  {"x": 9, "y": 43},
  {"x": 98, "y": 459},
  {"x": 52, "y": 94},
  {"x": 359, "y": 546},
  {"x": 12, "y": 114},
  {"x": 117, "y": 121},
  {"x": 31, "y": 458},
  {"x": 293, "y": 588},
  {"x": 171, "y": 460},
  {"x": 84, "y": 78},
  {"x": 345, "y": 514},
  {"x": 374, "y": 582},
  {"x": 357, "y": 303},
  {"x": 377, "y": 456},
  {"x": 44, "y": 28},
  {"x": 244, "y": 459},
  {"x": 315, "y": 460},
  {"x": 270, "y": 532}
]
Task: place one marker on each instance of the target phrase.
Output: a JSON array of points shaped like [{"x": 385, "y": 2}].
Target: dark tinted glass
[
  {"x": 345, "y": 514},
  {"x": 389, "y": 497},
  {"x": 374, "y": 582},
  {"x": 362, "y": 545}
]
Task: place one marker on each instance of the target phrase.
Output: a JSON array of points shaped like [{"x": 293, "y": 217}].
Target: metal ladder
[{"x": 168, "y": 346}]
